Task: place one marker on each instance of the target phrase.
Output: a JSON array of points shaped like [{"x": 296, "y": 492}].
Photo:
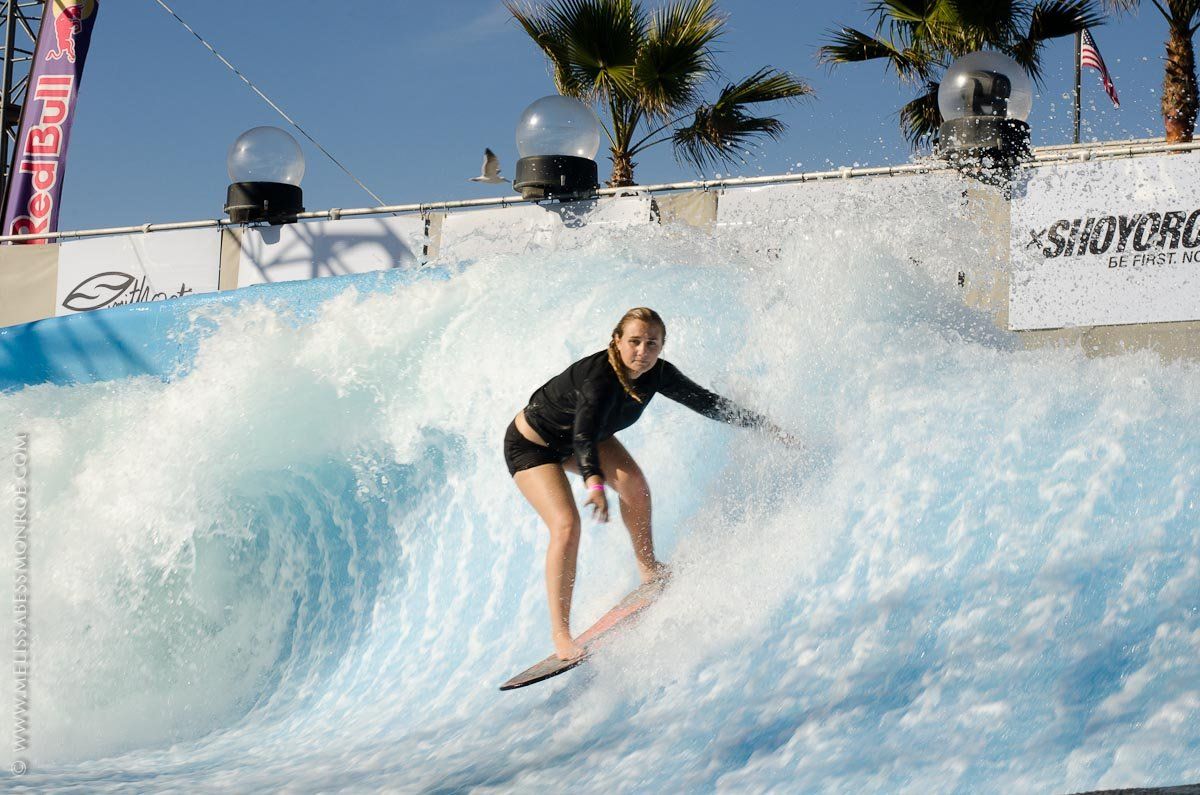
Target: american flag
[{"x": 1089, "y": 55}]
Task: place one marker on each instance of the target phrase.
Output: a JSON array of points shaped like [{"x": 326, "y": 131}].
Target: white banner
[
  {"x": 129, "y": 269},
  {"x": 1109, "y": 242},
  {"x": 311, "y": 249}
]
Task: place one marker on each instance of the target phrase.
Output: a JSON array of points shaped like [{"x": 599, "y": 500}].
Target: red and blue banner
[{"x": 36, "y": 177}]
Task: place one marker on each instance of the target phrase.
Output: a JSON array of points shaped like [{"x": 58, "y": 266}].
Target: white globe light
[
  {"x": 558, "y": 125},
  {"x": 985, "y": 84},
  {"x": 266, "y": 154}
]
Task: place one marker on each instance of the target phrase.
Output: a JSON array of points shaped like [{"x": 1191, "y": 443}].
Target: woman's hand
[
  {"x": 597, "y": 499},
  {"x": 788, "y": 440},
  {"x": 783, "y": 437}
]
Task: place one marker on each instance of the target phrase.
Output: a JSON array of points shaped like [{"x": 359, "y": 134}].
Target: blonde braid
[
  {"x": 614, "y": 359},
  {"x": 646, "y": 315}
]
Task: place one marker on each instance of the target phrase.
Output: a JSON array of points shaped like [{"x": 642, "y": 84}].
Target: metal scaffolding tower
[{"x": 20, "y": 21}]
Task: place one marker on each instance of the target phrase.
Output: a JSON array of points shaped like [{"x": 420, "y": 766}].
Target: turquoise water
[{"x": 302, "y": 563}]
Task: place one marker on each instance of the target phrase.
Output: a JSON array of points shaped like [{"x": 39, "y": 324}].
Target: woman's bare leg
[
  {"x": 625, "y": 477},
  {"x": 549, "y": 493}
]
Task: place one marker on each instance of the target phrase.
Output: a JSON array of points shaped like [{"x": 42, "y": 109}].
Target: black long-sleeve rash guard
[{"x": 586, "y": 404}]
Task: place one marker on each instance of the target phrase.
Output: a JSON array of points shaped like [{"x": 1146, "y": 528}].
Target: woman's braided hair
[{"x": 650, "y": 318}]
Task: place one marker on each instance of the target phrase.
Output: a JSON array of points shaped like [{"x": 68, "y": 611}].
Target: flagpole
[{"x": 1079, "y": 76}]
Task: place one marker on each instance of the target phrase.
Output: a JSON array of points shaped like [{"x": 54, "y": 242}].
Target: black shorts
[{"x": 520, "y": 453}]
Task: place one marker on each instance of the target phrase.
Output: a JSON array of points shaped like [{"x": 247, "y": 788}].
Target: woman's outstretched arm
[{"x": 678, "y": 387}]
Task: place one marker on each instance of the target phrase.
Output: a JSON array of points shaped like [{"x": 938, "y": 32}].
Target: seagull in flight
[{"x": 490, "y": 172}]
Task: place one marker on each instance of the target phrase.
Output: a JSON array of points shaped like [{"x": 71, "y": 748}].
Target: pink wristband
[{"x": 596, "y": 487}]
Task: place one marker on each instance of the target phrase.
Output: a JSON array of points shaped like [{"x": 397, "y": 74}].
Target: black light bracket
[
  {"x": 988, "y": 148},
  {"x": 273, "y": 202},
  {"x": 560, "y": 177}
]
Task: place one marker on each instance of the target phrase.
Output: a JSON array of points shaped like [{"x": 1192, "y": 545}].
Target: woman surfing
[{"x": 568, "y": 426}]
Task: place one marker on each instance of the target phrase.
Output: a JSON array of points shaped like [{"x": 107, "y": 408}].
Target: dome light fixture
[
  {"x": 985, "y": 99},
  {"x": 265, "y": 168},
  {"x": 557, "y": 138}
]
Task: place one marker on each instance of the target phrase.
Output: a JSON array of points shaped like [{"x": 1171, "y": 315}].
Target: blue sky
[{"x": 407, "y": 95}]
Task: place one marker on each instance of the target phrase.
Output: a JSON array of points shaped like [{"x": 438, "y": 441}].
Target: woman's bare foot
[
  {"x": 566, "y": 649},
  {"x": 657, "y": 572}
]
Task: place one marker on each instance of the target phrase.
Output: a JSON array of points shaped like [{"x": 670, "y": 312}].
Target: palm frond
[
  {"x": 1027, "y": 54},
  {"x": 551, "y": 42},
  {"x": 602, "y": 38},
  {"x": 1055, "y": 18},
  {"x": 931, "y": 22},
  {"x": 850, "y": 46},
  {"x": 1184, "y": 14},
  {"x": 592, "y": 45},
  {"x": 720, "y": 132},
  {"x": 920, "y": 118},
  {"x": 915, "y": 12},
  {"x": 905, "y": 18},
  {"x": 1050, "y": 20},
  {"x": 675, "y": 59},
  {"x": 988, "y": 22}
]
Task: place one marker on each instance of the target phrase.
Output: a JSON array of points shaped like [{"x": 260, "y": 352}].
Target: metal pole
[
  {"x": 1079, "y": 77},
  {"x": 5, "y": 89}
]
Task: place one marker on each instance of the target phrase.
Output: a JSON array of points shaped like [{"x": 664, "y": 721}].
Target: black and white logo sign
[
  {"x": 1107, "y": 242},
  {"x": 104, "y": 272},
  {"x": 1154, "y": 237},
  {"x": 114, "y": 288}
]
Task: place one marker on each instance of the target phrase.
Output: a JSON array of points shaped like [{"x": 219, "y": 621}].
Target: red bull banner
[{"x": 31, "y": 201}]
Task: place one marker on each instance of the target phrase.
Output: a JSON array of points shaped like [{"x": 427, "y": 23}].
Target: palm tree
[
  {"x": 648, "y": 70},
  {"x": 1179, "y": 96},
  {"x": 918, "y": 39}
]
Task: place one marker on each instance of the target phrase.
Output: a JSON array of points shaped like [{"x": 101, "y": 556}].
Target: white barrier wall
[
  {"x": 922, "y": 218},
  {"x": 330, "y": 248},
  {"x": 1107, "y": 242},
  {"x": 842, "y": 200},
  {"x": 523, "y": 228}
]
